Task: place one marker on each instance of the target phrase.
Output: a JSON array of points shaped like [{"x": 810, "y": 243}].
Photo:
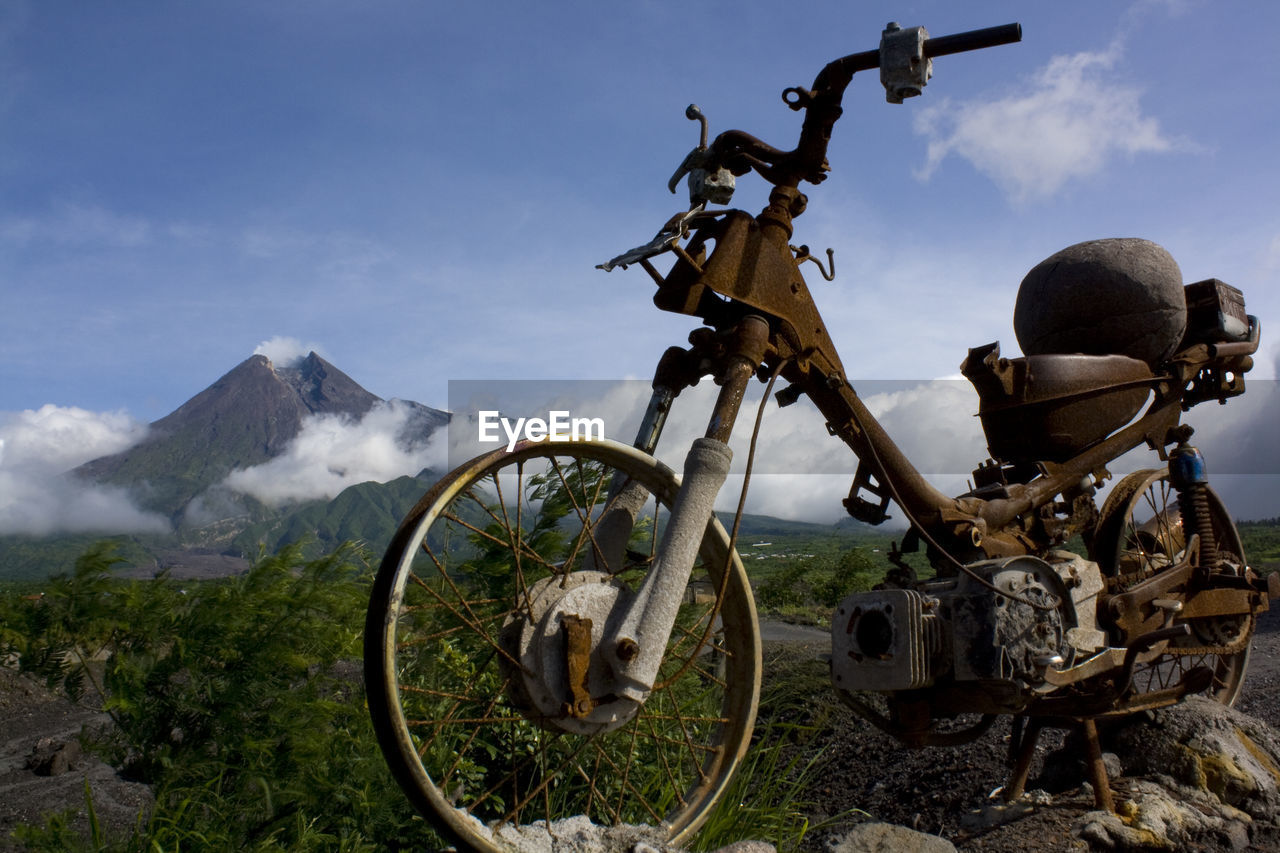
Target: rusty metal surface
[
  {"x": 1054, "y": 423},
  {"x": 577, "y": 643},
  {"x": 1051, "y": 407}
]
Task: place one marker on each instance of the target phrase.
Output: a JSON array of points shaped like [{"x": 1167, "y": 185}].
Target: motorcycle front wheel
[{"x": 467, "y": 607}]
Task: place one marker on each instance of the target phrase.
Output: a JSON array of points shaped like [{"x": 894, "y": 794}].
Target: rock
[
  {"x": 1120, "y": 296},
  {"x": 1154, "y": 818},
  {"x": 53, "y": 757},
  {"x": 1208, "y": 774},
  {"x": 579, "y": 834},
  {"x": 1208, "y": 747},
  {"x": 876, "y": 837},
  {"x": 43, "y": 768},
  {"x": 997, "y": 812}
]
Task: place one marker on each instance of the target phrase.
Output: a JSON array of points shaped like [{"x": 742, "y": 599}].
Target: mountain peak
[
  {"x": 243, "y": 419},
  {"x": 324, "y": 389}
]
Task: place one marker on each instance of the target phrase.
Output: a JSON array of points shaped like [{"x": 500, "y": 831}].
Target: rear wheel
[
  {"x": 489, "y": 720},
  {"x": 1140, "y": 534}
]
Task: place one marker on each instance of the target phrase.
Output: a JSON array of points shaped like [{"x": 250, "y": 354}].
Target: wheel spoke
[{"x": 501, "y": 565}]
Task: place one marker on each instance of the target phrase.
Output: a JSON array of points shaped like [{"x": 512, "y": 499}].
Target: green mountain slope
[{"x": 368, "y": 512}]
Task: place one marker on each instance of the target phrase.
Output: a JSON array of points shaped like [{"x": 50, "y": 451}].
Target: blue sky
[{"x": 420, "y": 191}]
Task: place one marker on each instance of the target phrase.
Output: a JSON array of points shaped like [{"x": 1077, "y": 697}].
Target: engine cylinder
[{"x": 957, "y": 630}]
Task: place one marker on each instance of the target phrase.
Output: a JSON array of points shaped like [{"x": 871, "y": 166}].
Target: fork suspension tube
[
  {"x": 729, "y": 401},
  {"x": 646, "y": 626},
  {"x": 626, "y": 498},
  {"x": 655, "y": 418},
  {"x": 750, "y": 341},
  {"x": 677, "y": 370},
  {"x": 639, "y": 641}
]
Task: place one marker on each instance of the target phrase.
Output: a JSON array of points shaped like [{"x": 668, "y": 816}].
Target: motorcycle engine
[{"x": 959, "y": 630}]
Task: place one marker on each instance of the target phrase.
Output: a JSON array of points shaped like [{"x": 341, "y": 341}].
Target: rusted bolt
[{"x": 627, "y": 650}]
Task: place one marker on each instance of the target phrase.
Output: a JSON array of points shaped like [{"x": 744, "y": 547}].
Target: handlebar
[
  {"x": 973, "y": 40},
  {"x": 740, "y": 152}
]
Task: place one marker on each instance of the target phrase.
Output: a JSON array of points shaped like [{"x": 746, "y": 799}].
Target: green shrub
[
  {"x": 238, "y": 700},
  {"x": 819, "y": 581}
]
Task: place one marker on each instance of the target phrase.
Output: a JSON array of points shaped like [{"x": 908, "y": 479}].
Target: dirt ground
[{"x": 43, "y": 770}]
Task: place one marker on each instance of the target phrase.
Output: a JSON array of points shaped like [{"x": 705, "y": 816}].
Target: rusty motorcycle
[{"x": 566, "y": 629}]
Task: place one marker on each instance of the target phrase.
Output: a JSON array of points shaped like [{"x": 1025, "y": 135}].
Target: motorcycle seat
[{"x": 1050, "y": 407}]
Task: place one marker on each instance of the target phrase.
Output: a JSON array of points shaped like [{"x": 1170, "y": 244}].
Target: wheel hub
[{"x": 563, "y": 680}]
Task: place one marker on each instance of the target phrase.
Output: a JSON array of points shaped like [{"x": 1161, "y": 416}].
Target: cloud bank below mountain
[
  {"x": 333, "y": 452},
  {"x": 37, "y": 495}
]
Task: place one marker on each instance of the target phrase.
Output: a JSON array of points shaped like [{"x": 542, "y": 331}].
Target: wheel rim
[
  {"x": 1139, "y": 534},
  {"x": 451, "y": 692}
]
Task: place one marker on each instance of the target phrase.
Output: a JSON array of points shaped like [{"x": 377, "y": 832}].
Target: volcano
[{"x": 245, "y": 418}]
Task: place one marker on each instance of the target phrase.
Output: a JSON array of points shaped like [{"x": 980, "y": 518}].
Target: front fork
[{"x": 637, "y": 640}]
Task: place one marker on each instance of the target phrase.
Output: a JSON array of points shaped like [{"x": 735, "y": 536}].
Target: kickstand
[
  {"x": 1097, "y": 770},
  {"x": 1022, "y": 749}
]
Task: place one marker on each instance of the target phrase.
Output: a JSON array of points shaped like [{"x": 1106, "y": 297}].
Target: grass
[
  {"x": 274, "y": 753},
  {"x": 768, "y": 799}
]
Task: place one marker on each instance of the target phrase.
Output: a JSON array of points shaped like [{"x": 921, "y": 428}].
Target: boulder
[
  {"x": 1197, "y": 775},
  {"x": 877, "y": 837},
  {"x": 1120, "y": 296}
]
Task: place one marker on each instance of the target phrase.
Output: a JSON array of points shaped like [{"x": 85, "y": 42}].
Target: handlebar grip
[
  {"x": 940, "y": 46},
  {"x": 973, "y": 40}
]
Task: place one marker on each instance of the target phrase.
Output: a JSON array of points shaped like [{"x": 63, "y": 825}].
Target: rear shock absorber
[{"x": 1188, "y": 474}]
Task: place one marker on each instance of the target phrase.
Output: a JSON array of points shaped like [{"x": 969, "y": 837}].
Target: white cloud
[
  {"x": 285, "y": 351},
  {"x": 75, "y": 224},
  {"x": 58, "y": 438},
  {"x": 1066, "y": 122},
  {"x": 332, "y": 452},
  {"x": 38, "y": 447},
  {"x": 934, "y": 425}
]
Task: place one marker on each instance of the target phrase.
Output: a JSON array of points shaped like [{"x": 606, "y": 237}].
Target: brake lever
[{"x": 675, "y": 230}]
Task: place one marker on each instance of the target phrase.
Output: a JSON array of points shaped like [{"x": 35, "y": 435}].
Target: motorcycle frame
[
  {"x": 751, "y": 270},
  {"x": 753, "y": 273},
  {"x": 741, "y": 276}
]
